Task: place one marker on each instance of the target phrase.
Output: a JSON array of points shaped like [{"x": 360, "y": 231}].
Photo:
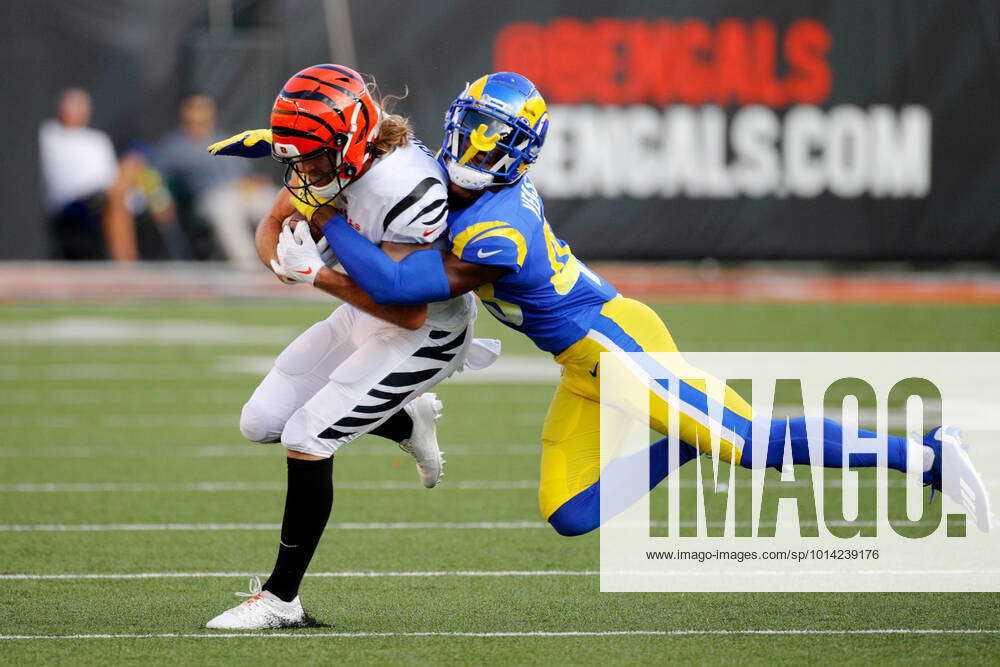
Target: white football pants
[{"x": 346, "y": 375}]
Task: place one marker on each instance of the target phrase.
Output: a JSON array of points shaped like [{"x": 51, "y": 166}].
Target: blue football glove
[{"x": 249, "y": 143}]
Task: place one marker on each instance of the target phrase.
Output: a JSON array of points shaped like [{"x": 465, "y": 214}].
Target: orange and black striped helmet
[{"x": 324, "y": 110}]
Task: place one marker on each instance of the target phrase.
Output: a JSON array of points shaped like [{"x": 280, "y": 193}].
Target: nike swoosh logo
[
  {"x": 430, "y": 231},
  {"x": 305, "y": 273},
  {"x": 593, "y": 373},
  {"x": 483, "y": 255}
]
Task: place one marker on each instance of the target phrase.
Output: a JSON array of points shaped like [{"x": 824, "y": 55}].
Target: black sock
[
  {"x": 308, "y": 502},
  {"x": 397, "y": 428}
]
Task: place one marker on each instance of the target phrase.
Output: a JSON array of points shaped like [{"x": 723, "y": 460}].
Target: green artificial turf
[{"x": 163, "y": 418}]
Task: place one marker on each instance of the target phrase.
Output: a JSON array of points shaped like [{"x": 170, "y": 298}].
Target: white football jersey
[{"x": 402, "y": 198}]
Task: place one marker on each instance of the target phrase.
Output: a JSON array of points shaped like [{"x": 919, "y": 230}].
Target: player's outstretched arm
[
  {"x": 466, "y": 276},
  {"x": 422, "y": 276}
]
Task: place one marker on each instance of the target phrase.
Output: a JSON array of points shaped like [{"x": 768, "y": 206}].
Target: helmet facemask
[
  {"x": 318, "y": 178},
  {"x": 483, "y": 147}
]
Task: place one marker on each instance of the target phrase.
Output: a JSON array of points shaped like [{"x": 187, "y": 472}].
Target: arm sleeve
[
  {"x": 419, "y": 278},
  {"x": 419, "y": 217}
]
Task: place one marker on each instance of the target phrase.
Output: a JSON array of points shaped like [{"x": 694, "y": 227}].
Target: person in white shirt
[{"x": 84, "y": 195}]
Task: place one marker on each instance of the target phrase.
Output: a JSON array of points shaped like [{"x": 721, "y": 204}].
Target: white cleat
[
  {"x": 962, "y": 482},
  {"x": 262, "y": 611},
  {"x": 422, "y": 445}
]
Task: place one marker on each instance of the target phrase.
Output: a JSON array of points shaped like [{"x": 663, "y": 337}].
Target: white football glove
[
  {"x": 283, "y": 275},
  {"x": 298, "y": 257}
]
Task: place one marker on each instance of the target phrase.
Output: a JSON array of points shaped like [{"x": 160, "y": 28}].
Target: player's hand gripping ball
[{"x": 298, "y": 255}]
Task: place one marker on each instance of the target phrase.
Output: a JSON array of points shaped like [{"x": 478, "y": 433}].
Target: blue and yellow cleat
[{"x": 963, "y": 484}]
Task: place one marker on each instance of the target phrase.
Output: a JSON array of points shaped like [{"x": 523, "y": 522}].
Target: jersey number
[{"x": 566, "y": 268}]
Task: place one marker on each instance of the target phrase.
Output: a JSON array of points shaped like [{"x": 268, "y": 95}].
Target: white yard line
[
  {"x": 481, "y": 573},
  {"x": 148, "y": 397},
  {"x": 171, "y": 422},
  {"x": 247, "y": 449},
  {"x": 102, "y": 371},
  {"x": 376, "y": 485},
  {"x": 530, "y": 633},
  {"x": 466, "y": 485},
  {"x": 121, "y": 331},
  {"x": 345, "y": 575},
  {"x": 125, "y": 421},
  {"x": 139, "y": 527},
  {"x": 397, "y": 525}
]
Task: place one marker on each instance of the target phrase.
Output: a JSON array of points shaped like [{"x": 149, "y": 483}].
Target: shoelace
[{"x": 255, "y": 590}]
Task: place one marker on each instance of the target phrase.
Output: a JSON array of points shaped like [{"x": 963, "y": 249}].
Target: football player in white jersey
[{"x": 366, "y": 368}]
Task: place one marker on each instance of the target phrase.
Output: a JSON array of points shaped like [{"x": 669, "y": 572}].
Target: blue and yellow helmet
[{"x": 493, "y": 131}]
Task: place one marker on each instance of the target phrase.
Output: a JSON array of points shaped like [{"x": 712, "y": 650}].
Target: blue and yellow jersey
[{"x": 547, "y": 294}]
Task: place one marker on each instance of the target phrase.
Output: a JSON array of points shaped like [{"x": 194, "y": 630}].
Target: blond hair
[{"x": 394, "y": 130}]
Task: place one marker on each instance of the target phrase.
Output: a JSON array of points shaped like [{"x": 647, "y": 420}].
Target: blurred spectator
[
  {"x": 158, "y": 234},
  {"x": 216, "y": 197},
  {"x": 85, "y": 192}
]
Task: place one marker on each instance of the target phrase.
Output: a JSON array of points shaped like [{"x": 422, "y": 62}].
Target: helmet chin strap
[
  {"x": 467, "y": 177},
  {"x": 328, "y": 191}
]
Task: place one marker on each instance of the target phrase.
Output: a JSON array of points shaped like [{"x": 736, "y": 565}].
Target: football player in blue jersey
[{"x": 503, "y": 248}]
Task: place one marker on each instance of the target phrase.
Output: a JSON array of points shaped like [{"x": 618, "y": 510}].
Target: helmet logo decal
[
  {"x": 497, "y": 103},
  {"x": 286, "y": 149}
]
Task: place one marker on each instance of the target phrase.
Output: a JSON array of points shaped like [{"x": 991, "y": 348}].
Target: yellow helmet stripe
[
  {"x": 533, "y": 110},
  {"x": 475, "y": 90}
]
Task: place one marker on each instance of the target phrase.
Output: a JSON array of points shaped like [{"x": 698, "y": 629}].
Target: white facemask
[{"x": 466, "y": 177}]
